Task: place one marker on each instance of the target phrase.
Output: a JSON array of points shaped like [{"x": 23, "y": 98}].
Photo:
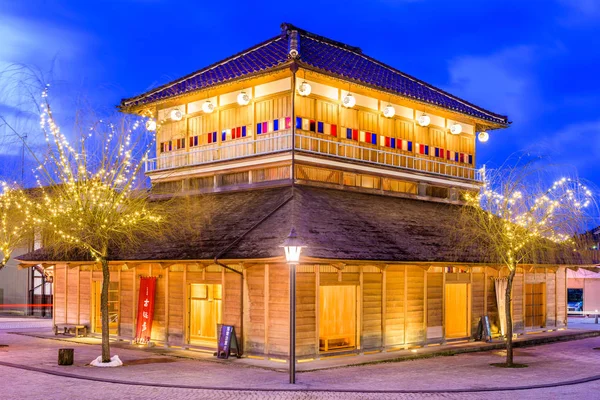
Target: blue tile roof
[{"x": 322, "y": 54}]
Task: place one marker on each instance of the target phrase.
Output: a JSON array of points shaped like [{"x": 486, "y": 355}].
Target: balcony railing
[{"x": 282, "y": 141}]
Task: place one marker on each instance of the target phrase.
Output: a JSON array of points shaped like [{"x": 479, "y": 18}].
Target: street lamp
[{"x": 292, "y": 246}]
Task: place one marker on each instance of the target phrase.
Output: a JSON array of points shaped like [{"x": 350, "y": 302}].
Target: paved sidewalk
[
  {"x": 548, "y": 364},
  {"x": 8, "y": 322}
]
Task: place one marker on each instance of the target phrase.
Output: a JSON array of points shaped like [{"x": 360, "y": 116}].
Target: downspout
[{"x": 235, "y": 242}]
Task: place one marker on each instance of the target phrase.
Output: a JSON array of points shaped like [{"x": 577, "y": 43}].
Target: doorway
[
  {"x": 535, "y": 305},
  {"x": 337, "y": 317},
  {"x": 205, "y": 313},
  {"x": 456, "y": 308},
  {"x": 113, "y": 307}
]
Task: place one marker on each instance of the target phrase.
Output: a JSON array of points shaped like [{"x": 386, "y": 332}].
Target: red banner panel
[{"x": 145, "y": 309}]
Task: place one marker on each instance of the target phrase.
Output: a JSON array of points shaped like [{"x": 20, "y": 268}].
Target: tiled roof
[
  {"x": 334, "y": 224},
  {"x": 322, "y": 54}
]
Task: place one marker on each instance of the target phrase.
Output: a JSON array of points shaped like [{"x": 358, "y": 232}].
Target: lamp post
[{"x": 292, "y": 247}]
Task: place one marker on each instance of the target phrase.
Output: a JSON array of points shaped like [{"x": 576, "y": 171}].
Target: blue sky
[{"x": 536, "y": 61}]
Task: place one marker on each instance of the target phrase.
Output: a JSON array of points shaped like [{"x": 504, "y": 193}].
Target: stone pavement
[{"x": 548, "y": 364}]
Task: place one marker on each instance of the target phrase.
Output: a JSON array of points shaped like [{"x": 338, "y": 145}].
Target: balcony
[{"x": 310, "y": 143}]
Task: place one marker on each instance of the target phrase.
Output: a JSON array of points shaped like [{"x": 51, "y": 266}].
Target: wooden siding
[{"x": 398, "y": 306}]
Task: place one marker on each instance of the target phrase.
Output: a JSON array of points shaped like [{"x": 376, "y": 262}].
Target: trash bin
[{"x": 65, "y": 356}]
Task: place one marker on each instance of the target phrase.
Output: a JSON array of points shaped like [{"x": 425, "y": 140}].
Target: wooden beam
[
  {"x": 78, "y": 295},
  {"x": 134, "y": 308},
  {"x": 361, "y": 311},
  {"x": 485, "y": 290},
  {"x": 443, "y": 304},
  {"x": 66, "y": 294}
]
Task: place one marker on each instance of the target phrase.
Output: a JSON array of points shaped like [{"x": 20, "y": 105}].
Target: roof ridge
[
  {"x": 404, "y": 74},
  {"x": 287, "y": 27},
  {"x": 202, "y": 70}
]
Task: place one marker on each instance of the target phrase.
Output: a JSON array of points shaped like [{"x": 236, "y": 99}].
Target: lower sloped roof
[{"x": 334, "y": 224}]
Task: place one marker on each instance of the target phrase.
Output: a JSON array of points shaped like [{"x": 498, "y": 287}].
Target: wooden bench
[
  {"x": 67, "y": 328},
  {"x": 327, "y": 343}
]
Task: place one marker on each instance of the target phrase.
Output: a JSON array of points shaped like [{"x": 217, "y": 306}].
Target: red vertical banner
[{"x": 145, "y": 309}]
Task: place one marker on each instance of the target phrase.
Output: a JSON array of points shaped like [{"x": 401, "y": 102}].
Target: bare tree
[
  {"x": 93, "y": 201},
  {"x": 16, "y": 226},
  {"x": 521, "y": 217}
]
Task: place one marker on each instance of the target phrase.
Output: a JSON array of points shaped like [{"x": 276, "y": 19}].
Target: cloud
[
  {"x": 580, "y": 12},
  {"x": 576, "y": 144},
  {"x": 502, "y": 81}
]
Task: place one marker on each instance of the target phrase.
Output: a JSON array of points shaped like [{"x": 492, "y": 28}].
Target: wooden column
[
  {"x": 66, "y": 293},
  {"x": 134, "y": 308},
  {"x": 556, "y": 299},
  {"x": 383, "y": 306},
  {"x": 246, "y": 302},
  {"x": 444, "y": 304},
  {"x": 166, "y": 271},
  {"x": 405, "y": 306},
  {"x": 185, "y": 308},
  {"x": 317, "y": 305},
  {"x": 485, "y": 290},
  {"x": 361, "y": 311},
  {"x": 424, "y": 307},
  {"x": 266, "y": 293},
  {"x": 119, "y": 292},
  {"x": 78, "y": 294}
]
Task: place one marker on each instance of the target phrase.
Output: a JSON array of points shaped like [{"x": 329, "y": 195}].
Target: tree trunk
[
  {"x": 509, "y": 322},
  {"x": 104, "y": 310}
]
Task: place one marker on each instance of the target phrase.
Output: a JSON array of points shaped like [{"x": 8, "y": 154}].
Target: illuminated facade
[{"x": 366, "y": 162}]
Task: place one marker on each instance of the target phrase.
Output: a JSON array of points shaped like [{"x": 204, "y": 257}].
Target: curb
[{"x": 233, "y": 389}]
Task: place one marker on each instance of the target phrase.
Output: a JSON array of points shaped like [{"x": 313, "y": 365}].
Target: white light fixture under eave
[
  {"x": 151, "y": 125},
  {"x": 483, "y": 136},
  {"x": 243, "y": 99},
  {"x": 208, "y": 107},
  {"x": 304, "y": 89},
  {"x": 349, "y": 101},
  {"x": 176, "y": 114},
  {"x": 455, "y": 129},
  {"x": 424, "y": 120},
  {"x": 389, "y": 111}
]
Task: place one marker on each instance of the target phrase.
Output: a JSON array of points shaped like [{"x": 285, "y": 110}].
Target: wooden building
[{"x": 366, "y": 162}]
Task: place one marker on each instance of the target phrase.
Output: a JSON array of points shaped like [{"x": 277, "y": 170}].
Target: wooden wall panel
[
  {"x": 72, "y": 295},
  {"x": 518, "y": 311},
  {"x": 434, "y": 299},
  {"x": 232, "y": 296},
  {"x": 327, "y": 112},
  {"x": 128, "y": 299},
  {"x": 492, "y": 307},
  {"x": 371, "y": 322},
  {"x": 305, "y": 107},
  {"x": 59, "y": 292},
  {"x": 477, "y": 300},
  {"x": 394, "y": 306},
  {"x": 158, "y": 323},
  {"x": 550, "y": 299},
  {"x": 177, "y": 296},
  {"x": 561, "y": 297},
  {"x": 279, "y": 306},
  {"x": 415, "y": 306},
  {"x": 306, "y": 314},
  {"x": 255, "y": 331},
  {"x": 85, "y": 302}
]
